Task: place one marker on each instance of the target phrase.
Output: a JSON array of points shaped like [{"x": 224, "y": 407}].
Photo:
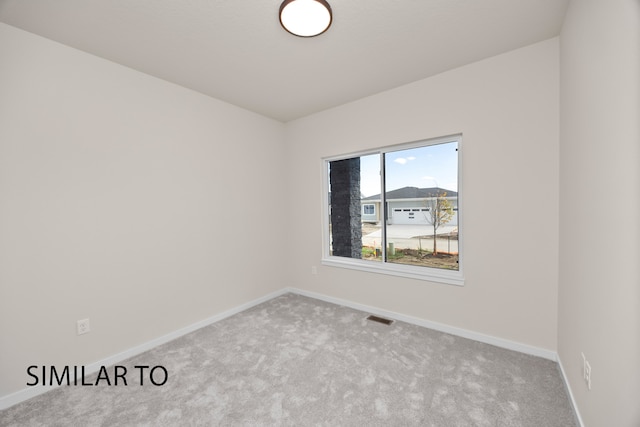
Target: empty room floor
[{"x": 298, "y": 361}]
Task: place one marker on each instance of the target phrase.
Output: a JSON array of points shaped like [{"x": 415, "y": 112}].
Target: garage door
[{"x": 414, "y": 215}]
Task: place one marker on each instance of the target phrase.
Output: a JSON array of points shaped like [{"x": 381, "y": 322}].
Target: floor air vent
[{"x": 380, "y": 320}]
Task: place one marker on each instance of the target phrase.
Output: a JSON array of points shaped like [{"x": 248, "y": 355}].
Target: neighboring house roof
[{"x": 413, "y": 193}]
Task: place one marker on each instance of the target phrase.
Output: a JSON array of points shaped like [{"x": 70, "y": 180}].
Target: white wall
[
  {"x": 599, "y": 286},
  {"x": 125, "y": 199},
  {"x": 507, "y": 108}
]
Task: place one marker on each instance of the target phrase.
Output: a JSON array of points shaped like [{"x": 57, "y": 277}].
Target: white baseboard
[
  {"x": 465, "y": 333},
  {"x": 570, "y": 393},
  {"x": 27, "y": 393}
]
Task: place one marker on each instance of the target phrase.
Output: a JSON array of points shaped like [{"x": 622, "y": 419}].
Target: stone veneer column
[{"x": 346, "y": 220}]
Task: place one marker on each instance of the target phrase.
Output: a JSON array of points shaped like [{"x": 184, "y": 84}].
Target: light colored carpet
[{"x": 297, "y": 361}]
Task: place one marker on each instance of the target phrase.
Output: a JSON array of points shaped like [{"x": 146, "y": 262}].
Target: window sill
[{"x": 401, "y": 270}]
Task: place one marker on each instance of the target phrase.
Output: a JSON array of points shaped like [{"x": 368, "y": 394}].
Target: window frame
[{"x": 451, "y": 277}]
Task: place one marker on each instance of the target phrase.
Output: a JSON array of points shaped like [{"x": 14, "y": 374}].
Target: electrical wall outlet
[
  {"x": 314, "y": 270},
  {"x": 586, "y": 371},
  {"x": 587, "y": 374},
  {"x": 83, "y": 326}
]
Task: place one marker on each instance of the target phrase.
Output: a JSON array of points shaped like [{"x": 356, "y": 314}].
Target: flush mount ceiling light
[{"x": 305, "y": 18}]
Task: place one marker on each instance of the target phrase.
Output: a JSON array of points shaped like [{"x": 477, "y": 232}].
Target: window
[{"x": 396, "y": 210}]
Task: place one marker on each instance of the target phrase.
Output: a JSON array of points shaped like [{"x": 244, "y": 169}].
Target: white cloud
[{"x": 403, "y": 160}]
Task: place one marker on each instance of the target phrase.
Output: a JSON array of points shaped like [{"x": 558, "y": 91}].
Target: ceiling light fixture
[{"x": 305, "y": 18}]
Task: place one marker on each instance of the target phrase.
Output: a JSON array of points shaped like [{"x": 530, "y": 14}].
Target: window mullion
[{"x": 383, "y": 207}]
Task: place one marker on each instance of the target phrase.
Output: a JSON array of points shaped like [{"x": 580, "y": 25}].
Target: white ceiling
[{"x": 236, "y": 51}]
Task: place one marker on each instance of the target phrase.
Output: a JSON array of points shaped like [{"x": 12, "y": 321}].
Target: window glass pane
[
  {"x": 354, "y": 220},
  {"x": 422, "y": 200}
]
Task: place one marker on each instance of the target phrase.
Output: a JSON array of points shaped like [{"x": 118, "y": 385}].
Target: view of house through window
[{"x": 414, "y": 221}]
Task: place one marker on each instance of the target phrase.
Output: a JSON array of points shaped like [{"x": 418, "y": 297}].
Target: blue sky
[{"x": 423, "y": 167}]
